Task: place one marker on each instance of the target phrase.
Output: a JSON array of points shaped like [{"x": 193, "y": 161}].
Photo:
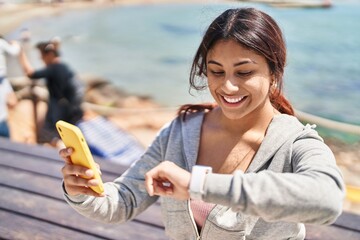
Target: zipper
[
  {"x": 187, "y": 164},
  {"x": 193, "y": 221},
  {"x": 198, "y": 236}
]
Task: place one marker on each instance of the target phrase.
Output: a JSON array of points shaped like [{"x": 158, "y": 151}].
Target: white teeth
[{"x": 233, "y": 99}]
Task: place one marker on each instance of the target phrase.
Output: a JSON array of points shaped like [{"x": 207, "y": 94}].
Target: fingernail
[
  {"x": 93, "y": 183},
  {"x": 166, "y": 184},
  {"x": 89, "y": 173},
  {"x": 69, "y": 150}
]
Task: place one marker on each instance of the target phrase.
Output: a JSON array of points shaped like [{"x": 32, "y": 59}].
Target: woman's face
[{"x": 238, "y": 79}]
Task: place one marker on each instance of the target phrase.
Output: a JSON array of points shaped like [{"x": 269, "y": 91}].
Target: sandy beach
[{"x": 140, "y": 116}]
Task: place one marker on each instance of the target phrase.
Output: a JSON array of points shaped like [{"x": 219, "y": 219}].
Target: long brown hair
[{"x": 254, "y": 30}]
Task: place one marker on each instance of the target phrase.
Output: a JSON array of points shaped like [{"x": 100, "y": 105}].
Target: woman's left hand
[{"x": 168, "y": 179}]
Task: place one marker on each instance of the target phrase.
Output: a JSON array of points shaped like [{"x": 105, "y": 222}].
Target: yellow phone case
[{"x": 72, "y": 136}]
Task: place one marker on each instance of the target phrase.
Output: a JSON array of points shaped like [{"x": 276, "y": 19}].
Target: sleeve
[
  {"x": 7, "y": 86},
  {"x": 126, "y": 197},
  {"x": 312, "y": 193},
  {"x": 10, "y": 49},
  {"x": 42, "y": 73}
]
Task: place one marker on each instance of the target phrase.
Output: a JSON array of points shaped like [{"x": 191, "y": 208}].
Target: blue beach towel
[{"x": 108, "y": 141}]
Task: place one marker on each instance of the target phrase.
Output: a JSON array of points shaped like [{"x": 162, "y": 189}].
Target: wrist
[{"x": 197, "y": 181}]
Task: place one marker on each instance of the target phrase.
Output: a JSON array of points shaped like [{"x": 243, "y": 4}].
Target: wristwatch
[{"x": 197, "y": 181}]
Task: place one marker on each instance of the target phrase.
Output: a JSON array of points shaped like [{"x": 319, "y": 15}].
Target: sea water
[{"x": 148, "y": 50}]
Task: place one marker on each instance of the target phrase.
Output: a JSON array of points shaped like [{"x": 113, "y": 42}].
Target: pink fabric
[{"x": 200, "y": 211}]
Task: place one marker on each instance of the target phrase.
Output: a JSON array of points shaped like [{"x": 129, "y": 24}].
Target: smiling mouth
[{"x": 233, "y": 100}]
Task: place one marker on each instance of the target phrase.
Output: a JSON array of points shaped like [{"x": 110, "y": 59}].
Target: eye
[
  {"x": 217, "y": 73},
  {"x": 244, "y": 73}
]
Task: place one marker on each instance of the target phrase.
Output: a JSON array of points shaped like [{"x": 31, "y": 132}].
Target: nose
[{"x": 230, "y": 86}]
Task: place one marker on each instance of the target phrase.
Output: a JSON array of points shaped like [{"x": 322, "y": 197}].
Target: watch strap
[{"x": 197, "y": 181}]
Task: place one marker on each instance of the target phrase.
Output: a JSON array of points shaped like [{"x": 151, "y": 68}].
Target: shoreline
[
  {"x": 145, "y": 127},
  {"x": 12, "y": 15}
]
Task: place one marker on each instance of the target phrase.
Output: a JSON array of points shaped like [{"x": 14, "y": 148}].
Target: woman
[
  {"x": 8, "y": 98},
  {"x": 65, "y": 92},
  {"x": 256, "y": 171}
]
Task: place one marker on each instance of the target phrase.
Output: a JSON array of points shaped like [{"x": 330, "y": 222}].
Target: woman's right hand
[{"x": 73, "y": 182}]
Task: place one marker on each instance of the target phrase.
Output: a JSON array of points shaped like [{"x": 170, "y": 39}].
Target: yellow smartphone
[{"x": 72, "y": 136}]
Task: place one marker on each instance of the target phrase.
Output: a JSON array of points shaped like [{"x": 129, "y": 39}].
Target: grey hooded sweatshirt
[{"x": 293, "y": 179}]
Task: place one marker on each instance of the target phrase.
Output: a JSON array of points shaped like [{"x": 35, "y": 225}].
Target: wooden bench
[{"x": 32, "y": 204}]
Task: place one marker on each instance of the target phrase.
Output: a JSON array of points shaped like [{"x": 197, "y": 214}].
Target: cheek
[
  {"x": 260, "y": 87},
  {"x": 213, "y": 87},
  {"x": 212, "y": 84}
]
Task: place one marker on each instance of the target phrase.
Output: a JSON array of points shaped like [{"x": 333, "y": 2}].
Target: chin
[{"x": 233, "y": 116}]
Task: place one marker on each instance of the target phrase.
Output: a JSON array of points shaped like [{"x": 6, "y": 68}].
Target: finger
[
  {"x": 149, "y": 183},
  {"x": 151, "y": 178},
  {"x": 98, "y": 168},
  {"x": 73, "y": 181},
  {"x": 167, "y": 187},
  {"x": 65, "y": 153},
  {"x": 67, "y": 160},
  {"x": 70, "y": 169},
  {"x": 76, "y": 190},
  {"x": 161, "y": 189},
  {"x": 154, "y": 181}
]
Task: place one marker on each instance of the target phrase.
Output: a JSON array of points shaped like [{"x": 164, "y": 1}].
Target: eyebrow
[{"x": 235, "y": 64}]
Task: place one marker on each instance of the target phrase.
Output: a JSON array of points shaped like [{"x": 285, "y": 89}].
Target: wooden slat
[
  {"x": 330, "y": 233},
  {"x": 50, "y": 187},
  {"x": 60, "y": 214},
  {"x": 29, "y": 228},
  {"x": 38, "y": 184},
  {"x": 46, "y": 154},
  {"x": 349, "y": 221},
  {"x": 47, "y": 168},
  {"x": 6, "y": 144}
]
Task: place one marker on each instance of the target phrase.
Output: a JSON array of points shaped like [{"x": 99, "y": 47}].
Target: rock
[{"x": 102, "y": 92}]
